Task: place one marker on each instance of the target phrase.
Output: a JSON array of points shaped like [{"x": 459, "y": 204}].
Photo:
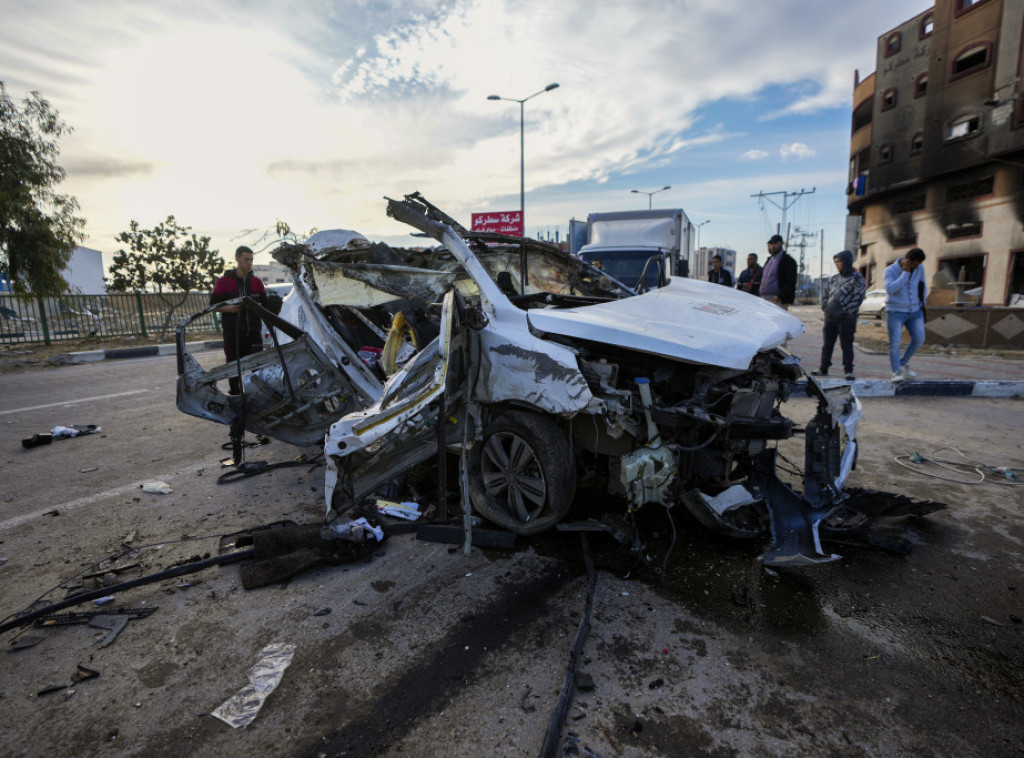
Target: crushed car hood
[{"x": 693, "y": 321}]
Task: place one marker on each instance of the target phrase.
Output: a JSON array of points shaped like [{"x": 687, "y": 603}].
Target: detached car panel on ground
[{"x": 547, "y": 374}]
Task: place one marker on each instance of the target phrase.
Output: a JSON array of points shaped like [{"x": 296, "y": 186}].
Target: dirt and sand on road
[{"x": 420, "y": 649}]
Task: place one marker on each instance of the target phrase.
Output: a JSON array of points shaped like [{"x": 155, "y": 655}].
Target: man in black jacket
[
  {"x": 750, "y": 278},
  {"x": 778, "y": 278},
  {"x": 717, "y": 274},
  {"x": 243, "y": 331}
]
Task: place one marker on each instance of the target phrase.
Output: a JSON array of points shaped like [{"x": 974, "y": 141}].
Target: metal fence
[{"x": 73, "y": 317}]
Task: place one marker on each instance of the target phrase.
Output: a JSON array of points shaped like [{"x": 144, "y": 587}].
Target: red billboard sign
[{"x": 503, "y": 222}]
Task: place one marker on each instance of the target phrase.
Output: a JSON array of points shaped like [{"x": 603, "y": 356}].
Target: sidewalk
[
  {"x": 956, "y": 372},
  {"x": 143, "y": 351}
]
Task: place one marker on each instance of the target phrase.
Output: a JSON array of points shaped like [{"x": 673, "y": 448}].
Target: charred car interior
[{"x": 544, "y": 375}]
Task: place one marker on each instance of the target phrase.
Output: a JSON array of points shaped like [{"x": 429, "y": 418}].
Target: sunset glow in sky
[{"x": 231, "y": 115}]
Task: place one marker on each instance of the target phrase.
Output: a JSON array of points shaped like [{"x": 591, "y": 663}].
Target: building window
[
  {"x": 905, "y": 239},
  {"x": 885, "y": 153},
  {"x": 1016, "y": 291},
  {"x": 927, "y": 26},
  {"x": 907, "y": 204},
  {"x": 892, "y": 44},
  {"x": 917, "y": 144},
  {"x": 862, "y": 114},
  {"x": 971, "y": 59},
  {"x": 921, "y": 85},
  {"x": 962, "y": 6},
  {"x": 964, "y": 126},
  {"x": 969, "y": 274},
  {"x": 889, "y": 99},
  {"x": 967, "y": 229},
  {"x": 956, "y": 193}
]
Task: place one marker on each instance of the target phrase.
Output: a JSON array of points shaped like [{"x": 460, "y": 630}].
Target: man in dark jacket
[
  {"x": 750, "y": 277},
  {"x": 243, "y": 331},
  {"x": 840, "y": 302},
  {"x": 717, "y": 274},
  {"x": 778, "y": 278}
]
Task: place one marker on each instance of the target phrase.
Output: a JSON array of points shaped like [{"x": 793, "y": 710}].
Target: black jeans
[
  {"x": 238, "y": 345},
  {"x": 844, "y": 330}
]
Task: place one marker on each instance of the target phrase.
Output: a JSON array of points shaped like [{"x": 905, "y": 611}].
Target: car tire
[{"x": 521, "y": 473}]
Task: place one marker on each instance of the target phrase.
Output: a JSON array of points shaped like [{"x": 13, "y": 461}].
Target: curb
[
  {"x": 862, "y": 387},
  {"x": 930, "y": 388},
  {"x": 120, "y": 353}
]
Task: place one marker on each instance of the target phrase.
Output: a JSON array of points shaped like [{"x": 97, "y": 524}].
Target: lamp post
[
  {"x": 650, "y": 195},
  {"x": 698, "y": 231},
  {"x": 522, "y": 147}
]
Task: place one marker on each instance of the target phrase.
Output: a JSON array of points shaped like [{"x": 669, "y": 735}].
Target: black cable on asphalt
[
  {"x": 188, "y": 568},
  {"x": 557, "y": 722},
  {"x": 255, "y": 468}
]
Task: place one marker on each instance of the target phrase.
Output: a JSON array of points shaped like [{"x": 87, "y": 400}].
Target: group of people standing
[
  {"x": 775, "y": 281},
  {"x": 841, "y": 298}
]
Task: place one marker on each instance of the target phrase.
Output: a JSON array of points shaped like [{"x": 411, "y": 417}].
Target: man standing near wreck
[
  {"x": 778, "y": 278},
  {"x": 840, "y": 303},
  {"x": 905, "y": 294},
  {"x": 243, "y": 334},
  {"x": 717, "y": 274},
  {"x": 750, "y": 277}
]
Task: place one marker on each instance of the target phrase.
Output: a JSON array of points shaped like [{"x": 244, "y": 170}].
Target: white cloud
[
  {"x": 796, "y": 150},
  {"x": 232, "y": 114}
]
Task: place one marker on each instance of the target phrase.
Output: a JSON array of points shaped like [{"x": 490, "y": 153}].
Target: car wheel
[
  {"x": 521, "y": 473},
  {"x": 881, "y": 314}
]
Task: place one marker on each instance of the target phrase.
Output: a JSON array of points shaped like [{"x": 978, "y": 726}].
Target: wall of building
[
  {"x": 84, "y": 272},
  {"x": 945, "y": 166}
]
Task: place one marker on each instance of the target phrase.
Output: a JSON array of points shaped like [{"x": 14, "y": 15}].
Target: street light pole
[
  {"x": 650, "y": 195},
  {"x": 698, "y": 231},
  {"x": 522, "y": 146}
]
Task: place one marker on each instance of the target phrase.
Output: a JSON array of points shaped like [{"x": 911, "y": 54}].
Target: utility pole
[
  {"x": 821, "y": 268},
  {"x": 802, "y": 244},
  {"x": 786, "y": 204}
]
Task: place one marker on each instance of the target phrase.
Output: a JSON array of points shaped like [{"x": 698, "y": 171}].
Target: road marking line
[
  {"x": 73, "y": 402},
  {"x": 124, "y": 489}
]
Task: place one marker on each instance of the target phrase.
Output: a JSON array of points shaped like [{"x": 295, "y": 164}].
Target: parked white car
[
  {"x": 543, "y": 371},
  {"x": 874, "y": 304}
]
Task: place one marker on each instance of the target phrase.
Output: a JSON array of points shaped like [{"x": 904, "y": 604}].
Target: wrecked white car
[{"x": 544, "y": 373}]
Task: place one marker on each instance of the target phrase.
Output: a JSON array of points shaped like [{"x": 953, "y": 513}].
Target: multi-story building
[
  {"x": 702, "y": 261},
  {"x": 937, "y": 152},
  {"x": 272, "y": 273}
]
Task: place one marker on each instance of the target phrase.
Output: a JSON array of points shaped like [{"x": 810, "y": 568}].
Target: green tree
[
  {"x": 168, "y": 259},
  {"x": 38, "y": 226}
]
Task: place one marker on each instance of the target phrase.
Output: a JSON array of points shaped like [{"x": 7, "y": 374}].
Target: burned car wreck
[{"x": 543, "y": 374}]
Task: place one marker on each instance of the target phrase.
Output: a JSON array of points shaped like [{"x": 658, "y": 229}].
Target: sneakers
[
  {"x": 907, "y": 373},
  {"x": 850, "y": 377},
  {"x": 897, "y": 378},
  {"x": 820, "y": 372}
]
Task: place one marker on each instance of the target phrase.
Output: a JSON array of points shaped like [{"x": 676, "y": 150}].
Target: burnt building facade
[{"x": 937, "y": 152}]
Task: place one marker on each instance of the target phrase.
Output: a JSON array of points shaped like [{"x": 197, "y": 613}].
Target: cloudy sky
[{"x": 232, "y": 114}]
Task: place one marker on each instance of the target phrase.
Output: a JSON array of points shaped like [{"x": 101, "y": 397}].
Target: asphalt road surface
[{"x": 419, "y": 649}]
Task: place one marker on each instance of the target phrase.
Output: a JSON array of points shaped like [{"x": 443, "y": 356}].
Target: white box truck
[{"x": 642, "y": 249}]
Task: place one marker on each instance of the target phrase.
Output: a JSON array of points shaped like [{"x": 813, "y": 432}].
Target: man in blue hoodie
[
  {"x": 904, "y": 308},
  {"x": 840, "y": 302}
]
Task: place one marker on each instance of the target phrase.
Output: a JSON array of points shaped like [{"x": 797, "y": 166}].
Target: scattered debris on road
[{"x": 242, "y": 708}]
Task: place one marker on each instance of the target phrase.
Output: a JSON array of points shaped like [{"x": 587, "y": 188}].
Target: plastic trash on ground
[
  {"x": 156, "y": 488},
  {"x": 407, "y": 510},
  {"x": 241, "y": 709},
  {"x": 76, "y": 430}
]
